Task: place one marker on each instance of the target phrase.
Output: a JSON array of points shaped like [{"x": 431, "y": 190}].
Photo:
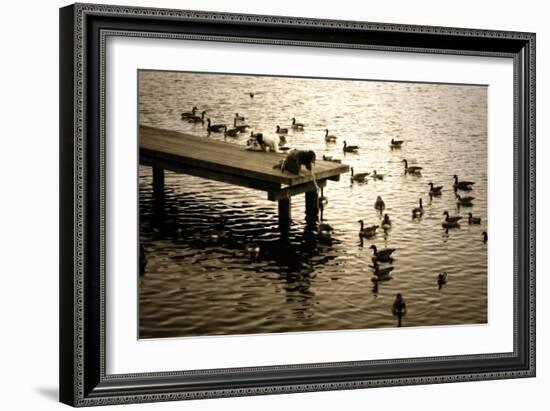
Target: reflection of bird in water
[
  {"x": 418, "y": 211},
  {"x": 324, "y": 230},
  {"x": 379, "y": 204},
  {"x": 252, "y": 249},
  {"x": 386, "y": 223},
  {"x": 382, "y": 255},
  {"x": 441, "y": 279},
  {"x": 381, "y": 273},
  {"x": 399, "y": 308},
  {"x": 219, "y": 229},
  {"x": 484, "y": 236},
  {"x": 367, "y": 231}
]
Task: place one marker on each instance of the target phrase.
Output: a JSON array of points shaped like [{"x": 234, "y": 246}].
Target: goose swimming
[
  {"x": 214, "y": 128},
  {"x": 329, "y": 138},
  {"x": 330, "y": 158},
  {"x": 230, "y": 132},
  {"x": 381, "y": 272},
  {"x": 441, "y": 279},
  {"x": 297, "y": 126},
  {"x": 379, "y": 203},
  {"x": 462, "y": 185},
  {"x": 411, "y": 169},
  {"x": 435, "y": 190},
  {"x": 418, "y": 211},
  {"x": 399, "y": 308},
  {"x": 396, "y": 143},
  {"x": 382, "y": 255},
  {"x": 359, "y": 177},
  {"x": 367, "y": 231},
  {"x": 324, "y": 230},
  {"x": 350, "y": 149},
  {"x": 377, "y": 176},
  {"x": 473, "y": 220},
  {"x": 451, "y": 219},
  {"x": 241, "y": 127},
  {"x": 386, "y": 222},
  {"x": 238, "y": 118},
  {"x": 197, "y": 119},
  {"x": 189, "y": 114},
  {"x": 281, "y": 130},
  {"x": 464, "y": 201}
]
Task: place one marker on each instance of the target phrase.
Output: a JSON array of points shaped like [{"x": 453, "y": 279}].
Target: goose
[
  {"x": 383, "y": 255},
  {"x": 251, "y": 95},
  {"x": 473, "y": 220},
  {"x": 238, "y": 118},
  {"x": 441, "y": 279},
  {"x": 255, "y": 135},
  {"x": 464, "y": 201},
  {"x": 215, "y": 128},
  {"x": 230, "y": 132},
  {"x": 324, "y": 229},
  {"x": 386, "y": 222},
  {"x": 381, "y": 272},
  {"x": 484, "y": 236},
  {"x": 282, "y": 130},
  {"x": 359, "y": 177},
  {"x": 396, "y": 143},
  {"x": 399, "y": 308},
  {"x": 462, "y": 185},
  {"x": 379, "y": 203},
  {"x": 189, "y": 114},
  {"x": 350, "y": 149},
  {"x": 367, "y": 231},
  {"x": 411, "y": 169},
  {"x": 329, "y": 138},
  {"x": 435, "y": 190},
  {"x": 241, "y": 127},
  {"x": 418, "y": 211},
  {"x": 297, "y": 126},
  {"x": 330, "y": 158},
  {"x": 197, "y": 119},
  {"x": 453, "y": 219},
  {"x": 377, "y": 176}
]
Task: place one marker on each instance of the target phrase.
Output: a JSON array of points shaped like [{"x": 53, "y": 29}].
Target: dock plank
[{"x": 221, "y": 157}]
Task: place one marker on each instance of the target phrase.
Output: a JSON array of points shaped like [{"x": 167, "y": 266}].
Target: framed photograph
[{"x": 260, "y": 204}]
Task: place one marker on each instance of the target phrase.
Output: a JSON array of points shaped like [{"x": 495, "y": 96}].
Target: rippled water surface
[{"x": 199, "y": 278}]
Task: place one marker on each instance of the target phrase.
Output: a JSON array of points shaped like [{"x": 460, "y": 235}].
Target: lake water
[{"x": 200, "y": 281}]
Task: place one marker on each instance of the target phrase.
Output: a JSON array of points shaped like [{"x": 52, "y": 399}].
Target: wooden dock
[{"x": 233, "y": 164}]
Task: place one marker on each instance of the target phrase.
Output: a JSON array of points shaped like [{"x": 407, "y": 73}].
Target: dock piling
[{"x": 312, "y": 207}]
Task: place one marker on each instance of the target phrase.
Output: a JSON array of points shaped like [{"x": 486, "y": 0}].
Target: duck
[
  {"x": 296, "y": 126},
  {"x": 189, "y": 114},
  {"x": 411, "y": 169},
  {"x": 484, "y": 236},
  {"x": 473, "y": 220},
  {"x": 359, "y": 177},
  {"x": 379, "y": 203},
  {"x": 197, "y": 119},
  {"x": 377, "y": 176},
  {"x": 230, "y": 132},
  {"x": 386, "y": 222},
  {"x": 350, "y": 149},
  {"x": 396, "y": 143},
  {"x": 329, "y": 138},
  {"x": 464, "y": 201},
  {"x": 441, "y": 279},
  {"x": 238, "y": 118},
  {"x": 435, "y": 190},
  {"x": 241, "y": 127},
  {"x": 399, "y": 308},
  {"x": 215, "y": 128},
  {"x": 462, "y": 185},
  {"x": 381, "y": 272},
  {"x": 383, "y": 255},
  {"x": 281, "y": 130},
  {"x": 367, "y": 231},
  {"x": 418, "y": 211}
]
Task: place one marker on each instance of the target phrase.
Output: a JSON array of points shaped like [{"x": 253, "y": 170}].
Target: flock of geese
[{"x": 382, "y": 258}]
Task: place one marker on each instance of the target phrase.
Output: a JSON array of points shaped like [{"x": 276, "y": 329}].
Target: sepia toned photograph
[{"x": 272, "y": 204}]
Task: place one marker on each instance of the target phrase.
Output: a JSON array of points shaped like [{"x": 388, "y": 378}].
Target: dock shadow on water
[{"x": 215, "y": 262}]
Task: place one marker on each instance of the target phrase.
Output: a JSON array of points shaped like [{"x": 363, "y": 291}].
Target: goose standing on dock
[
  {"x": 367, "y": 231},
  {"x": 329, "y": 138},
  {"x": 473, "y": 220},
  {"x": 418, "y": 211},
  {"x": 359, "y": 177},
  {"x": 379, "y": 204},
  {"x": 464, "y": 201},
  {"x": 462, "y": 185},
  {"x": 214, "y": 128},
  {"x": 350, "y": 149},
  {"x": 396, "y": 143},
  {"x": 281, "y": 130},
  {"x": 435, "y": 190},
  {"x": 189, "y": 114},
  {"x": 297, "y": 126},
  {"x": 411, "y": 169},
  {"x": 383, "y": 255}
]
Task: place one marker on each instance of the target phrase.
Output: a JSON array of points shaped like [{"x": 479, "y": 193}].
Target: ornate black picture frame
[{"x": 83, "y": 30}]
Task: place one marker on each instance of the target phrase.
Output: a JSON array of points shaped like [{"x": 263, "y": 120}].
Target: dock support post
[
  {"x": 284, "y": 214},
  {"x": 158, "y": 181},
  {"x": 312, "y": 207}
]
